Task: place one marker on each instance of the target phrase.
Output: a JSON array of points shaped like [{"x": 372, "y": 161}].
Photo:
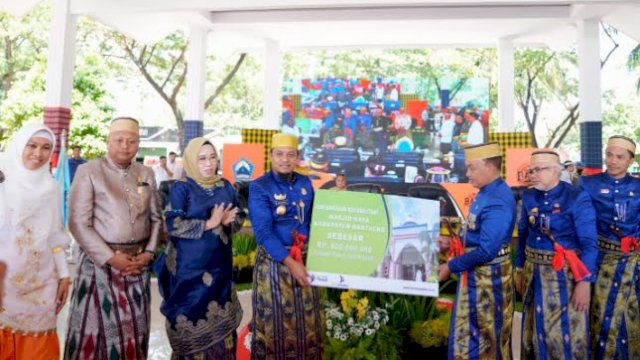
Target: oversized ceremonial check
[{"x": 374, "y": 242}]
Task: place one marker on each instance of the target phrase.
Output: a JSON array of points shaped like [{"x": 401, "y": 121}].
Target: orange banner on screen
[
  {"x": 415, "y": 108},
  {"x": 517, "y": 164},
  {"x": 463, "y": 194},
  {"x": 242, "y": 162}
]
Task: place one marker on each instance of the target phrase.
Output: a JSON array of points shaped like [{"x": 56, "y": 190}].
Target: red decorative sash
[
  {"x": 577, "y": 267},
  {"x": 296, "y": 248}
]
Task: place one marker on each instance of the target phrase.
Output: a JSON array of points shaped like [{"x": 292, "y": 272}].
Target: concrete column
[
  {"x": 505, "y": 86},
  {"x": 590, "y": 92},
  {"x": 272, "y": 98},
  {"x": 60, "y": 64},
  {"x": 196, "y": 76}
]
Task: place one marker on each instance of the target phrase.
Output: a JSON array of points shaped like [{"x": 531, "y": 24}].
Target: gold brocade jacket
[{"x": 112, "y": 205}]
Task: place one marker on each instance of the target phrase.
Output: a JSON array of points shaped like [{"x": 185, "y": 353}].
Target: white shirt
[
  {"x": 160, "y": 175},
  {"x": 446, "y": 131},
  {"x": 175, "y": 169},
  {"x": 476, "y": 134}
]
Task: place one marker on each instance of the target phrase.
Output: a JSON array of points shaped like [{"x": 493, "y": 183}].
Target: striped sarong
[
  {"x": 552, "y": 328},
  {"x": 109, "y": 317},
  {"x": 287, "y": 319},
  {"x": 483, "y": 313},
  {"x": 615, "y": 313}
]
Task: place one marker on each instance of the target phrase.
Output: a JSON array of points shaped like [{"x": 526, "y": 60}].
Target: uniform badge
[
  {"x": 281, "y": 201},
  {"x": 532, "y": 215},
  {"x": 556, "y": 208},
  {"x": 604, "y": 191},
  {"x": 303, "y": 191},
  {"x": 1, "y": 177},
  {"x": 472, "y": 221}
]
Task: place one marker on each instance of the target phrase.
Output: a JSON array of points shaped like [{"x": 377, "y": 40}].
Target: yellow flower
[
  {"x": 347, "y": 301},
  {"x": 362, "y": 307},
  {"x": 241, "y": 261},
  {"x": 252, "y": 258}
]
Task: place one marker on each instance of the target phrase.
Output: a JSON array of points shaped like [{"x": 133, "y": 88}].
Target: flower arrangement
[
  {"x": 431, "y": 335},
  {"x": 244, "y": 251},
  {"x": 356, "y": 330},
  {"x": 433, "y": 332}
]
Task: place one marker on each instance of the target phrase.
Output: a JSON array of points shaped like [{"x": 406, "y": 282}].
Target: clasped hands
[
  {"x": 128, "y": 264},
  {"x": 221, "y": 215}
]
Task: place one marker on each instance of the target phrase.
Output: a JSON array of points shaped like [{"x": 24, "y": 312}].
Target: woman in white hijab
[{"x": 32, "y": 238}]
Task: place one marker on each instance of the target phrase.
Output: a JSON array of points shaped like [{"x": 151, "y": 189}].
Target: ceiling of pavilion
[{"x": 305, "y": 24}]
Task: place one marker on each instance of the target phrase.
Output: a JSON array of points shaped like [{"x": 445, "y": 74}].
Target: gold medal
[
  {"x": 281, "y": 210},
  {"x": 532, "y": 215}
]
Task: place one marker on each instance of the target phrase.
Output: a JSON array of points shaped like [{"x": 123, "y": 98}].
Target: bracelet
[{"x": 63, "y": 279}]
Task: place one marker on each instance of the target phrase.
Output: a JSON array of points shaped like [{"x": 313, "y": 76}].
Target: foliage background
[{"x": 109, "y": 81}]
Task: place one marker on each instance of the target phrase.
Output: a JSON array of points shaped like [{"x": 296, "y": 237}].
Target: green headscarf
[{"x": 190, "y": 160}]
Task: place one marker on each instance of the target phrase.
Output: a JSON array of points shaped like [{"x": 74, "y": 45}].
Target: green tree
[
  {"x": 23, "y": 40},
  {"x": 543, "y": 76},
  {"x": 24, "y": 43},
  {"x": 90, "y": 109},
  {"x": 620, "y": 116},
  {"x": 164, "y": 67},
  {"x": 240, "y": 104}
]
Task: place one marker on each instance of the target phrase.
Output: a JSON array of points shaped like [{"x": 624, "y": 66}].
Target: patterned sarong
[
  {"x": 287, "y": 319},
  {"x": 109, "y": 317},
  {"x": 483, "y": 313},
  {"x": 224, "y": 349},
  {"x": 615, "y": 317},
  {"x": 551, "y": 328}
]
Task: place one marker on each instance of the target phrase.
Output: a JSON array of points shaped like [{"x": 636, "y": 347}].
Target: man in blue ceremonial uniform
[
  {"x": 483, "y": 310},
  {"x": 555, "y": 261},
  {"x": 75, "y": 161},
  {"x": 287, "y": 319},
  {"x": 615, "y": 312}
]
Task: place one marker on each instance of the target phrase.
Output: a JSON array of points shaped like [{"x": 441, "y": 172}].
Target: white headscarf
[{"x": 27, "y": 195}]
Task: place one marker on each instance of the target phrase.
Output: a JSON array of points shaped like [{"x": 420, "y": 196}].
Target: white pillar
[
  {"x": 589, "y": 70},
  {"x": 61, "y": 57},
  {"x": 60, "y": 63},
  {"x": 505, "y": 86},
  {"x": 272, "y": 97},
  {"x": 590, "y": 95},
  {"x": 196, "y": 76}
]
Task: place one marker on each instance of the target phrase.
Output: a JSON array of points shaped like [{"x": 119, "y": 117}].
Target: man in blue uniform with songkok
[
  {"x": 555, "y": 263},
  {"x": 615, "y": 311},
  {"x": 483, "y": 310},
  {"x": 286, "y": 320}
]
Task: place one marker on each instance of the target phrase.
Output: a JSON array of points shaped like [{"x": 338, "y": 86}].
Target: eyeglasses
[{"x": 536, "y": 170}]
